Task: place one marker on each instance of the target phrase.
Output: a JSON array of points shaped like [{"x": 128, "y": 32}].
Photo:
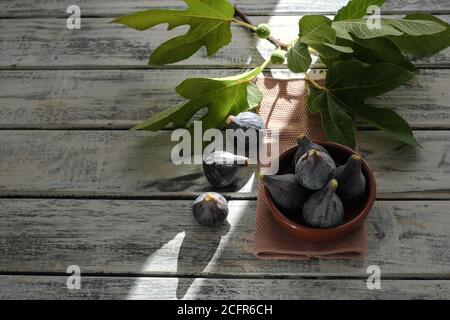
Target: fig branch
[{"x": 245, "y": 22}]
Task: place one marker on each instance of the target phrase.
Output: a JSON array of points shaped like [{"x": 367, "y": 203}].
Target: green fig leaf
[
  {"x": 356, "y": 9},
  {"x": 220, "y": 96},
  {"x": 352, "y": 80},
  {"x": 337, "y": 124},
  {"x": 298, "y": 57},
  {"x": 384, "y": 119},
  {"x": 424, "y": 45},
  {"x": 316, "y": 29},
  {"x": 360, "y": 28},
  {"x": 254, "y": 96},
  {"x": 348, "y": 84},
  {"x": 416, "y": 27},
  {"x": 388, "y": 27},
  {"x": 316, "y": 32},
  {"x": 210, "y": 26},
  {"x": 376, "y": 50},
  {"x": 313, "y": 105}
]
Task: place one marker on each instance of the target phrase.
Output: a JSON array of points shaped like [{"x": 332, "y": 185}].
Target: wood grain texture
[
  {"x": 157, "y": 237},
  {"x": 119, "y": 99},
  {"x": 101, "y": 288},
  {"x": 122, "y": 163},
  {"x": 20, "y": 8},
  {"x": 48, "y": 44}
]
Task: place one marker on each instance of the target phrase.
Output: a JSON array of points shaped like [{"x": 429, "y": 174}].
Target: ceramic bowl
[{"x": 354, "y": 215}]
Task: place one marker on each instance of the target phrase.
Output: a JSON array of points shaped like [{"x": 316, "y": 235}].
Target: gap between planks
[{"x": 301, "y": 276}]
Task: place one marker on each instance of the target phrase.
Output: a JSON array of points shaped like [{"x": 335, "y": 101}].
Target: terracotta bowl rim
[{"x": 360, "y": 217}]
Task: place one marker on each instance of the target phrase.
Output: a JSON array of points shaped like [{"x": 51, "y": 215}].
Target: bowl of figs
[{"x": 323, "y": 191}]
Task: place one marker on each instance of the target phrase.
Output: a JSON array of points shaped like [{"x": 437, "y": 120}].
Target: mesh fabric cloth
[{"x": 284, "y": 107}]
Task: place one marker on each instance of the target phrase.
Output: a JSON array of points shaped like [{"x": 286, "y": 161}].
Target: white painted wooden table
[{"x": 77, "y": 188}]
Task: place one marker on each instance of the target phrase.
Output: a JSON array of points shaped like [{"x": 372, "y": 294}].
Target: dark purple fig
[
  {"x": 221, "y": 168},
  {"x": 247, "y": 130},
  {"x": 324, "y": 209},
  {"x": 245, "y": 121},
  {"x": 286, "y": 192},
  {"x": 304, "y": 145},
  {"x": 315, "y": 169},
  {"x": 352, "y": 183},
  {"x": 210, "y": 209}
]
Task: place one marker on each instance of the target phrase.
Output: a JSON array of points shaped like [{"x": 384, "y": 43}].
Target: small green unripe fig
[
  {"x": 324, "y": 209},
  {"x": 286, "y": 192},
  {"x": 304, "y": 144},
  {"x": 221, "y": 168},
  {"x": 352, "y": 183},
  {"x": 315, "y": 169},
  {"x": 210, "y": 209},
  {"x": 278, "y": 56},
  {"x": 263, "y": 30}
]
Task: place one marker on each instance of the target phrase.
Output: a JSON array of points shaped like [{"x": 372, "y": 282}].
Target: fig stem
[
  {"x": 265, "y": 64},
  {"x": 244, "y": 24},
  {"x": 230, "y": 119},
  {"x": 314, "y": 83},
  {"x": 334, "y": 184},
  {"x": 209, "y": 197}
]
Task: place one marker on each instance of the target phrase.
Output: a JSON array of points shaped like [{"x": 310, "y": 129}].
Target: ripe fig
[
  {"x": 263, "y": 30},
  {"x": 210, "y": 209},
  {"x": 278, "y": 56},
  {"x": 352, "y": 183},
  {"x": 248, "y": 131},
  {"x": 324, "y": 209},
  {"x": 246, "y": 120},
  {"x": 315, "y": 169},
  {"x": 304, "y": 144},
  {"x": 221, "y": 168},
  {"x": 286, "y": 192}
]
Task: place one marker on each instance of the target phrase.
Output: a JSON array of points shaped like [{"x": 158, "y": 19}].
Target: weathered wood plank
[
  {"x": 59, "y": 99},
  {"x": 20, "y": 8},
  {"x": 121, "y": 163},
  {"x": 47, "y": 43},
  {"x": 405, "y": 239},
  {"x": 120, "y": 288}
]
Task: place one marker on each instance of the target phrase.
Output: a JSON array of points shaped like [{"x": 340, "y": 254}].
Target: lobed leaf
[
  {"x": 361, "y": 29},
  {"x": 314, "y": 106},
  {"x": 356, "y": 9},
  {"x": 210, "y": 26},
  {"x": 388, "y": 27},
  {"x": 424, "y": 45},
  {"x": 384, "y": 119},
  {"x": 353, "y": 80},
  {"x": 338, "y": 125},
  {"x": 298, "y": 57},
  {"x": 316, "y": 32},
  {"x": 220, "y": 96},
  {"x": 254, "y": 96},
  {"x": 376, "y": 50},
  {"x": 316, "y": 29}
]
